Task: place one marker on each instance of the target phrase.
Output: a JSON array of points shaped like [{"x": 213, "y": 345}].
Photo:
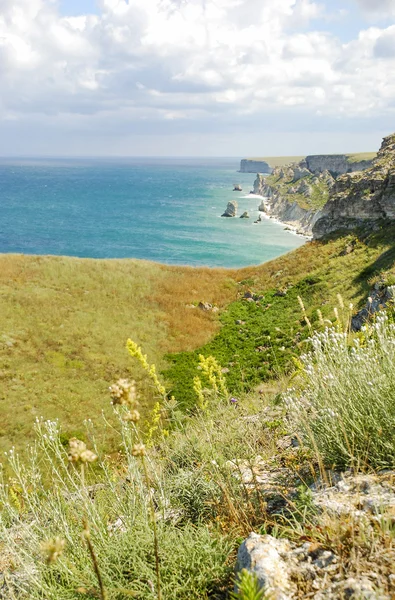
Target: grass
[
  {"x": 318, "y": 198},
  {"x": 359, "y": 156},
  {"x": 258, "y": 341},
  {"x": 64, "y": 323},
  {"x": 191, "y": 478}
]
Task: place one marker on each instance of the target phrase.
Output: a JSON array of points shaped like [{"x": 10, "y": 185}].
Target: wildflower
[
  {"x": 139, "y": 450},
  {"x": 340, "y": 301},
  {"x": 234, "y": 400},
  {"x": 301, "y": 304},
  {"x": 132, "y": 416},
  {"x": 124, "y": 392},
  {"x": 79, "y": 453},
  {"x": 52, "y": 549}
]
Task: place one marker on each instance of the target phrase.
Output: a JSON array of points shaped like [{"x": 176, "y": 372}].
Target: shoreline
[{"x": 288, "y": 227}]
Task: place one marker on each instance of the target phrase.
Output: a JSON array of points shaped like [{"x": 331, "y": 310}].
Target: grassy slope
[
  {"x": 272, "y": 330},
  {"x": 361, "y": 156},
  {"x": 319, "y": 197},
  {"x": 64, "y": 323}
]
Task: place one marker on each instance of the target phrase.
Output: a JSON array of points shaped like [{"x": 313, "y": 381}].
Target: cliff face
[
  {"x": 293, "y": 194},
  {"x": 360, "y": 197},
  {"x": 254, "y": 166},
  {"x": 336, "y": 164}
]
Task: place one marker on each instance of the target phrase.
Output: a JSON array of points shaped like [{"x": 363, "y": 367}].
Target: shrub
[{"x": 346, "y": 410}]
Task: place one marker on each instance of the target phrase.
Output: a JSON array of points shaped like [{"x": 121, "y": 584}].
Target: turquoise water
[{"x": 165, "y": 210}]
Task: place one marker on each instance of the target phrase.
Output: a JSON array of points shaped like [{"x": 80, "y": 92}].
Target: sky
[{"x": 236, "y": 78}]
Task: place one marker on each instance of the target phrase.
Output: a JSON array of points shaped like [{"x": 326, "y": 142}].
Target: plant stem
[
  {"x": 87, "y": 536},
  {"x": 153, "y": 519}
]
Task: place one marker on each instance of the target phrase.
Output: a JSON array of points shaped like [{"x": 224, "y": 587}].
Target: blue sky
[
  {"x": 78, "y": 7},
  {"x": 195, "y": 77}
]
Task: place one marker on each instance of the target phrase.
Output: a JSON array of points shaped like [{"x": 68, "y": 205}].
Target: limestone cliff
[
  {"x": 293, "y": 194},
  {"x": 361, "y": 197},
  {"x": 336, "y": 164},
  {"x": 254, "y": 166}
]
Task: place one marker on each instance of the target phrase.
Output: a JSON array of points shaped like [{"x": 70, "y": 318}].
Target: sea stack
[
  {"x": 237, "y": 187},
  {"x": 245, "y": 215},
  {"x": 231, "y": 209}
]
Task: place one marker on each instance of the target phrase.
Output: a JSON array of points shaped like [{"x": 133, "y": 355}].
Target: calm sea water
[{"x": 165, "y": 210}]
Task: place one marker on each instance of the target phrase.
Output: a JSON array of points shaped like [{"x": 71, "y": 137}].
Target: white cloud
[{"x": 197, "y": 59}]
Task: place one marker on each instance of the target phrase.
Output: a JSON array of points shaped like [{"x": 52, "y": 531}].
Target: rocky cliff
[
  {"x": 293, "y": 194},
  {"x": 361, "y": 197},
  {"x": 254, "y": 166},
  {"x": 336, "y": 164}
]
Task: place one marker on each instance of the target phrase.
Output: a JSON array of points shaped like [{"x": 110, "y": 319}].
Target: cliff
[
  {"x": 337, "y": 164},
  {"x": 361, "y": 197},
  {"x": 293, "y": 194},
  {"x": 324, "y": 193},
  {"x": 254, "y": 166}
]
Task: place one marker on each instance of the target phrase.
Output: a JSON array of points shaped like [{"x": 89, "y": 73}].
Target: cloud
[
  {"x": 378, "y": 8},
  {"x": 193, "y": 62}
]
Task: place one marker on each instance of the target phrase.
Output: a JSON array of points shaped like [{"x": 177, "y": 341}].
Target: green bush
[{"x": 346, "y": 409}]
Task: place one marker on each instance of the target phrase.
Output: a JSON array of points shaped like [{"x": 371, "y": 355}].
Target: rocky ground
[{"x": 339, "y": 542}]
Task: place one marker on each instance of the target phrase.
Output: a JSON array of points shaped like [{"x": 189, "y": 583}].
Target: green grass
[
  {"x": 319, "y": 197},
  {"x": 273, "y": 329},
  {"x": 352, "y": 158},
  {"x": 64, "y": 324}
]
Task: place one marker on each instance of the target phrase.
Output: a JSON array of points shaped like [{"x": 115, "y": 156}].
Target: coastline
[{"x": 287, "y": 226}]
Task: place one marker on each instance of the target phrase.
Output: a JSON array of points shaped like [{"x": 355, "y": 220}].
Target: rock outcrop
[
  {"x": 336, "y": 164},
  {"x": 245, "y": 215},
  {"x": 361, "y": 197},
  {"x": 254, "y": 166},
  {"x": 292, "y": 193},
  {"x": 231, "y": 209}
]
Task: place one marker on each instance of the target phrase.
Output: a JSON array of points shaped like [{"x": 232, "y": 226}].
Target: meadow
[
  {"x": 134, "y": 484},
  {"x": 64, "y": 324}
]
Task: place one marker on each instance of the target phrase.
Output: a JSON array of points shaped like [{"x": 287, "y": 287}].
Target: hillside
[{"x": 64, "y": 323}]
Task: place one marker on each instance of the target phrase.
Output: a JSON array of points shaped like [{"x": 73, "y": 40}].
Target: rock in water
[
  {"x": 237, "y": 187},
  {"x": 231, "y": 209},
  {"x": 245, "y": 215}
]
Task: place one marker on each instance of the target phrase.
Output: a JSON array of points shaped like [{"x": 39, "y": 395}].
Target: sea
[{"x": 163, "y": 210}]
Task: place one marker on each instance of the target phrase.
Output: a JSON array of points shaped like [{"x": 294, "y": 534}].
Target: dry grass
[
  {"x": 361, "y": 156},
  {"x": 64, "y": 321}
]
